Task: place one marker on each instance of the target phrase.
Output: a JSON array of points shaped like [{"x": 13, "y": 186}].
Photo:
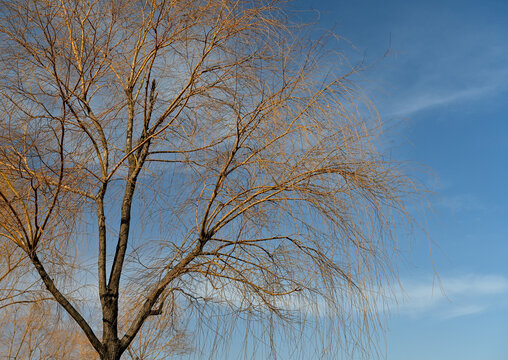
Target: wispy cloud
[
  {"x": 452, "y": 297},
  {"x": 465, "y": 65},
  {"x": 426, "y": 100},
  {"x": 465, "y": 310}
]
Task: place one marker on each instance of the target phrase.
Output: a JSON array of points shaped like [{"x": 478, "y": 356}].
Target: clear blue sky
[{"x": 445, "y": 81}]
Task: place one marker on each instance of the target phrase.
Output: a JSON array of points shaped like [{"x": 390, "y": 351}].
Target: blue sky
[{"x": 444, "y": 83}]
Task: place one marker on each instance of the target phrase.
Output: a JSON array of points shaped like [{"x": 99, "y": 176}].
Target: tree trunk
[
  {"x": 111, "y": 351},
  {"x": 110, "y": 341}
]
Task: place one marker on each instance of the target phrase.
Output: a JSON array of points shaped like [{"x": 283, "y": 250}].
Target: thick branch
[
  {"x": 152, "y": 298},
  {"x": 62, "y": 300},
  {"x": 101, "y": 218}
]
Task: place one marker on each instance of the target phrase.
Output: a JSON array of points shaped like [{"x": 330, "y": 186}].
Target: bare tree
[{"x": 190, "y": 160}]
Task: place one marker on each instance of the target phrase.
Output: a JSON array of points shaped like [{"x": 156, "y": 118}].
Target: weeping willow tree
[{"x": 175, "y": 173}]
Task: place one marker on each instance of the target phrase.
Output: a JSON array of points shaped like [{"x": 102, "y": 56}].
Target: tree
[{"x": 189, "y": 159}]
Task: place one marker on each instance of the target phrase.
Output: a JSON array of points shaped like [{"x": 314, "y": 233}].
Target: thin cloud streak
[
  {"x": 447, "y": 73},
  {"x": 429, "y": 100},
  {"x": 451, "y": 298},
  {"x": 464, "y": 311}
]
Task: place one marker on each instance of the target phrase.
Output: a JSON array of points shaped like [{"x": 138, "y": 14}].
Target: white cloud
[
  {"x": 448, "y": 72},
  {"x": 476, "y": 285},
  {"x": 451, "y": 297},
  {"x": 465, "y": 310},
  {"x": 430, "y": 99},
  {"x": 446, "y": 298}
]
